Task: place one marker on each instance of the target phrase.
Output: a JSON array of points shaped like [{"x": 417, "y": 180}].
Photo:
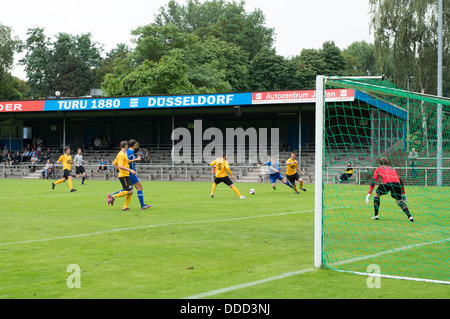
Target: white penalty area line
[
  {"x": 408, "y": 247},
  {"x": 152, "y": 226},
  {"x": 249, "y": 284},
  {"x": 348, "y": 261}
]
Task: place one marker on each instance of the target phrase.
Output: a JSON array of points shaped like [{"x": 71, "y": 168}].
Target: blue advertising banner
[{"x": 146, "y": 102}]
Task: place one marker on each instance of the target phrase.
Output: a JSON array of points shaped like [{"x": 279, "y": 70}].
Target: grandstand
[
  {"x": 151, "y": 120},
  {"x": 158, "y": 168}
]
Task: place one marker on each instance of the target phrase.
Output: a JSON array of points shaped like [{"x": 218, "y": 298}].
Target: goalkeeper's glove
[
  {"x": 367, "y": 199},
  {"x": 404, "y": 198}
]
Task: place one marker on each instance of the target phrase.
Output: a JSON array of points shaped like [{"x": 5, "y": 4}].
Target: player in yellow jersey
[
  {"x": 66, "y": 160},
  {"x": 292, "y": 171},
  {"x": 121, "y": 162},
  {"x": 222, "y": 170}
]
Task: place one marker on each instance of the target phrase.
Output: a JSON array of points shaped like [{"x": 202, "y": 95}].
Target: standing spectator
[
  {"x": 101, "y": 166},
  {"x": 5, "y": 152},
  {"x": 413, "y": 155},
  {"x": 39, "y": 141}
]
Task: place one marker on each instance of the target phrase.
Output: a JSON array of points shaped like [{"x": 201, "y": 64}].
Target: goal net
[{"x": 412, "y": 132}]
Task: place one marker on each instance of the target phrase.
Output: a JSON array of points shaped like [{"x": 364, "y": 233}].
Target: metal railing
[{"x": 145, "y": 171}]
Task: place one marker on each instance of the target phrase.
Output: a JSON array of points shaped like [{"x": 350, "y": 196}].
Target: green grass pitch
[{"x": 186, "y": 245}]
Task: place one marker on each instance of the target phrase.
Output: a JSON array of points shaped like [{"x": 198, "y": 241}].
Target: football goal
[{"x": 409, "y": 131}]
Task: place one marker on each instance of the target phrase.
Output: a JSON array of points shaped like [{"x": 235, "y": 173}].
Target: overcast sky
[{"x": 298, "y": 24}]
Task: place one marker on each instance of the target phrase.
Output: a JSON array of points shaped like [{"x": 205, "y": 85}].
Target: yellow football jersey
[
  {"x": 221, "y": 167},
  {"x": 291, "y": 169},
  {"x": 122, "y": 159},
  {"x": 66, "y": 161}
]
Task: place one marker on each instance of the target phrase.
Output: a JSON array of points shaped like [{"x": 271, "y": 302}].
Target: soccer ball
[{"x": 252, "y": 191}]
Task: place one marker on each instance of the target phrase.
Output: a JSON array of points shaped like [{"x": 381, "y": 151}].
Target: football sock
[
  {"x": 70, "y": 183},
  {"x": 117, "y": 192},
  {"x": 120, "y": 194},
  {"x": 82, "y": 180},
  {"x": 213, "y": 188},
  {"x": 59, "y": 182},
  {"x": 294, "y": 187},
  {"x": 404, "y": 208},
  {"x": 301, "y": 185},
  {"x": 140, "y": 195},
  {"x": 236, "y": 191},
  {"x": 127, "y": 200},
  {"x": 289, "y": 184},
  {"x": 376, "y": 205}
]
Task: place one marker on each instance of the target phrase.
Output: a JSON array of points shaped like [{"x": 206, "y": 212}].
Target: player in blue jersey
[
  {"x": 274, "y": 173},
  {"x": 134, "y": 178}
]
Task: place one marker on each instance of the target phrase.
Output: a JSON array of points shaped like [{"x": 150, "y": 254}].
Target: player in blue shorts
[
  {"x": 274, "y": 173},
  {"x": 134, "y": 178}
]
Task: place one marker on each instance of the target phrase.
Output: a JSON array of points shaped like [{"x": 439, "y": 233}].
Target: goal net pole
[
  {"x": 319, "y": 160},
  {"x": 318, "y": 196}
]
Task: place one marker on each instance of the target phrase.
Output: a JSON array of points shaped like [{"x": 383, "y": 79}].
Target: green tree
[
  {"x": 267, "y": 71},
  {"x": 65, "y": 65},
  {"x": 217, "y": 66},
  {"x": 406, "y": 31},
  {"x": 154, "y": 41},
  {"x": 120, "y": 52},
  {"x": 360, "y": 59},
  {"x": 224, "y": 20},
  {"x": 9, "y": 44},
  {"x": 167, "y": 76}
]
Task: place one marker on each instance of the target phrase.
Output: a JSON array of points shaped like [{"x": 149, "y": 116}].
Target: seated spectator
[
  {"x": 34, "y": 159},
  {"x": 9, "y": 159},
  {"x": 104, "y": 144},
  {"x": 97, "y": 143},
  {"x": 112, "y": 169},
  {"x": 101, "y": 166},
  {"x": 47, "y": 170},
  {"x": 26, "y": 155},
  {"x": 38, "y": 154},
  {"x": 48, "y": 155},
  {"x": 17, "y": 158},
  {"x": 90, "y": 144},
  {"x": 140, "y": 153},
  {"x": 146, "y": 156},
  {"x": 33, "y": 153}
]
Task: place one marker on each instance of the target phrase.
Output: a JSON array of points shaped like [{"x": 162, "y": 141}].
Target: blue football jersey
[{"x": 131, "y": 156}]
